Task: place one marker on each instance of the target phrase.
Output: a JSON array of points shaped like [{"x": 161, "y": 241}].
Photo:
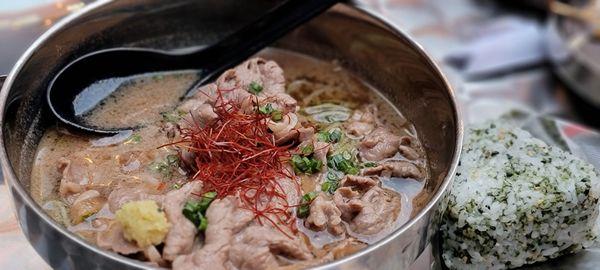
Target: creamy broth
[
  {"x": 324, "y": 92},
  {"x": 141, "y": 100}
]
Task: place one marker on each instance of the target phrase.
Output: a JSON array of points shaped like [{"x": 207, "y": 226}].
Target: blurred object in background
[
  {"x": 536, "y": 4},
  {"x": 573, "y": 41},
  {"x": 22, "y": 21},
  {"x": 507, "y": 44}
]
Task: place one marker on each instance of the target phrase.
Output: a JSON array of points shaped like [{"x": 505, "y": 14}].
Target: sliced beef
[
  {"x": 325, "y": 215},
  {"x": 380, "y": 144},
  {"x": 262, "y": 247},
  {"x": 152, "y": 255},
  {"x": 225, "y": 219},
  {"x": 113, "y": 239},
  {"x": 291, "y": 188},
  {"x": 362, "y": 122},
  {"x": 205, "y": 94},
  {"x": 344, "y": 247},
  {"x": 233, "y": 240},
  {"x": 256, "y": 70},
  {"x": 360, "y": 183},
  {"x": 348, "y": 202},
  {"x": 365, "y": 206},
  {"x": 330, "y": 252},
  {"x": 380, "y": 209},
  {"x": 320, "y": 151},
  {"x": 98, "y": 169},
  {"x": 197, "y": 114},
  {"x": 396, "y": 168},
  {"x": 279, "y": 101},
  {"x": 305, "y": 133},
  {"x": 299, "y": 134},
  {"x": 86, "y": 204},
  {"x": 123, "y": 195},
  {"x": 74, "y": 176},
  {"x": 408, "y": 152},
  {"x": 285, "y": 127},
  {"x": 180, "y": 238},
  {"x": 234, "y": 85}
]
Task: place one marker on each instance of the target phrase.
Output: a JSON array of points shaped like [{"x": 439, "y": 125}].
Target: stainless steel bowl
[{"x": 362, "y": 42}]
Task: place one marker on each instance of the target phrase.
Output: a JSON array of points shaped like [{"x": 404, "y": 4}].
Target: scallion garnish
[
  {"x": 343, "y": 162},
  {"x": 255, "y": 88},
  {"x": 331, "y": 136},
  {"x": 304, "y": 208},
  {"x": 307, "y": 165},
  {"x": 195, "y": 211}
]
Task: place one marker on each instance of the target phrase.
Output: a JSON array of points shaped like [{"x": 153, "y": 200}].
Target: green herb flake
[
  {"x": 167, "y": 167},
  {"x": 135, "y": 138},
  {"x": 162, "y": 168},
  {"x": 172, "y": 117},
  {"x": 173, "y": 159},
  {"x": 255, "y": 88},
  {"x": 304, "y": 208}
]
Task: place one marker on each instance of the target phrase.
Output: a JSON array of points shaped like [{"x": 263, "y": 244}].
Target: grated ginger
[{"x": 143, "y": 223}]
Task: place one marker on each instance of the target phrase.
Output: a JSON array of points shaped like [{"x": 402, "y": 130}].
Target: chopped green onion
[
  {"x": 331, "y": 136},
  {"x": 307, "y": 165},
  {"x": 267, "y": 109},
  {"x": 369, "y": 164},
  {"x": 206, "y": 200},
  {"x": 255, "y": 88},
  {"x": 335, "y": 135},
  {"x": 203, "y": 223},
  {"x": 166, "y": 168},
  {"x": 276, "y": 115},
  {"x": 195, "y": 211},
  {"x": 307, "y": 149},
  {"x": 343, "y": 162},
  {"x": 304, "y": 208},
  {"x": 172, "y": 117},
  {"x": 332, "y": 182}
]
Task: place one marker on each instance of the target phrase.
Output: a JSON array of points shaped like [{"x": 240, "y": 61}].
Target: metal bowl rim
[{"x": 15, "y": 185}]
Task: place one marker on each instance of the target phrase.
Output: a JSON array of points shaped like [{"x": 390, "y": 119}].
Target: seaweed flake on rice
[{"x": 516, "y": 200}]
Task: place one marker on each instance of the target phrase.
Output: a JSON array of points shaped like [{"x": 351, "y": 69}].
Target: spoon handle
[{"x": 257, "y": 35}]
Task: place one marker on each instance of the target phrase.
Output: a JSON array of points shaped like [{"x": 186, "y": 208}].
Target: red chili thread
[{"x": 237, "y": 155}]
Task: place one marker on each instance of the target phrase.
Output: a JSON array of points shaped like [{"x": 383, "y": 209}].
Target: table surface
[{"x": 439, "y": 26}]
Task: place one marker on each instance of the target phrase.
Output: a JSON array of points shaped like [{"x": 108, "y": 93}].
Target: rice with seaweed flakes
[{"x": 516, "y": 200}]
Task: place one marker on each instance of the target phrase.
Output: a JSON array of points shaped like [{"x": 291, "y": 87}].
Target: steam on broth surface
[{"x": 285, "y": 158}]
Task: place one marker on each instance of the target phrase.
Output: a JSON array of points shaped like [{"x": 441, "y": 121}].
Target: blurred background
[{"x": 535, "y": 60}]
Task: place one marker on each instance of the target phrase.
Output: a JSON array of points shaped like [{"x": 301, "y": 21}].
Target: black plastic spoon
[{"x": 71, "y": 82}]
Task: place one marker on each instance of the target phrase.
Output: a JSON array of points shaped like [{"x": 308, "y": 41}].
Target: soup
[{"x": 257, "y": 170}]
